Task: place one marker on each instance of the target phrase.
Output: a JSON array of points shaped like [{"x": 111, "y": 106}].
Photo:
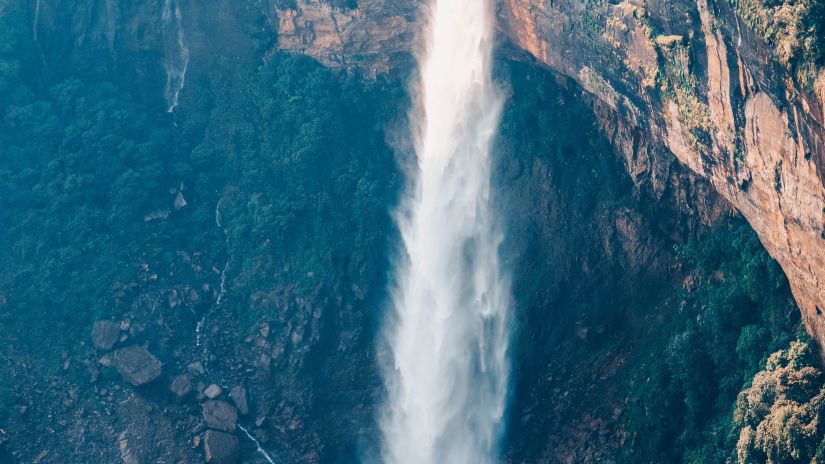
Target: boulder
[
  {"x": 220, "y": 447},
  {"x": 105, "y": 334},
  {"x": 137, "y": 365},
  {"x": 219, "y": 415},
  {"x": 182, "y": 385},
  {"x": 238, "y": 394},
  {"x": 213, "y": 391}
]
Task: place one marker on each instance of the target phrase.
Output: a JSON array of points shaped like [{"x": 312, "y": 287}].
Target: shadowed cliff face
[{"x": 739, "y": 105}]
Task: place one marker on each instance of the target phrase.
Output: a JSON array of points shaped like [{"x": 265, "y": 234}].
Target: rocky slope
[{"x": 733, "y": 95}]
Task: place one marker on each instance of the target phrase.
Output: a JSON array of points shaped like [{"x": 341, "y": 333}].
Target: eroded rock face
[
  {"x": 376, "y": 35},
  {"x": 688, "y": 77}
]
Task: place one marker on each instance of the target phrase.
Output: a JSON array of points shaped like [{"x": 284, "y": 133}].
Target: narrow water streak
[
  {"x": 447, "y": 379},
  {"x": 176, "y": 61}
]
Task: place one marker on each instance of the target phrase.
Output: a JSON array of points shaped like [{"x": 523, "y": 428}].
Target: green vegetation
[
  {"x": 734, "y": 312},
  {"x": 796, "y": 28},
  {"x": 676, "y": 80},
  {"x": 780, "y": 417},
  {"x": 81, "y": 163},
  {"x": 296, "y": 156},
  {"x": 307, "y": 203}
]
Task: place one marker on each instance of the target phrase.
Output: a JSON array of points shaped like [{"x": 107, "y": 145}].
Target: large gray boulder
[
  {"x": 137, "y": 365},
  {"x": 220, "y": 447},
  {"x": 238, "y": 395},
  {"x": 105, "y": 334},
  {"x": 182, "y": 386},
  {"x": 219, "y": 415}
]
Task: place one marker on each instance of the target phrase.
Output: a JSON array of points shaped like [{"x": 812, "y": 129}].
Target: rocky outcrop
[
  {"x": 182, "y": 386},
  {"x": 376, "y": 35},
  {"x": 689, "y": 78}
]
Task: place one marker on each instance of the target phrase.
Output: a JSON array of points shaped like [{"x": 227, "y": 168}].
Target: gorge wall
[
  {"x": 268, "y": 278},
  {"x": 730, "y": 88}
]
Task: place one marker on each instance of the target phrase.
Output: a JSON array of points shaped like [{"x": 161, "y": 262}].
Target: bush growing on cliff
[
  {"x": 780, "y": 417},
  {"x": 794, "y": 27}
]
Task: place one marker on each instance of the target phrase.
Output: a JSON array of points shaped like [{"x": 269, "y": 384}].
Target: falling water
[
  {"x": 177, "y": 53},
  {"x": 36, "y": 30},
  {"x": 36, "y": 24},
  {"x": 447, "y": 381},
  {"x": 257, "y": 444}
]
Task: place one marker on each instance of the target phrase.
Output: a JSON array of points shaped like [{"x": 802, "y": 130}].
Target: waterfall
[
  {"x": 448, "y": 334},
  {"x": 36, "y": 30},
  {"x": 36, "y": 24},
  {"x": 177, "y": 53}
]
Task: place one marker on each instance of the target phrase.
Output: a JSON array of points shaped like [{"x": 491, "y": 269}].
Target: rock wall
[
  {"x": 687, "y": 78},
  {"x": 695, "y": 78}
]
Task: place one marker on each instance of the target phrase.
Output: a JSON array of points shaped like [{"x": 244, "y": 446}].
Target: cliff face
[
  {"x": 716, "y": 95},
  {"x": 731, "y": 91}
]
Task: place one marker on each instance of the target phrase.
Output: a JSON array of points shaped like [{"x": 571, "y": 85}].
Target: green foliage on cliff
[
  {"x": 306, "y": 183},
  {"x": 735, "y": 311},
  {"x": 298, "y": 166},
  {"x": 780, "y": 417},
  {"x": 796, "y": 28},
  {"x": 80, "y": 164}
]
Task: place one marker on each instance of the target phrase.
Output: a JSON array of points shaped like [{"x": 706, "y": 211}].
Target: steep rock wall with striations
[{"x": 730, "y": 91}]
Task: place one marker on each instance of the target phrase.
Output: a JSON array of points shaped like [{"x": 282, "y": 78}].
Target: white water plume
[
  {"x": 177, "y": 53},
  {"x": 447, "y": 381},
  {"x": 36, "y": 22},
  {"x": 36, "y": 30}
]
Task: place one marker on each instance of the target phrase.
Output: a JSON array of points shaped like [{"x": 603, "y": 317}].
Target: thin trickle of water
[
  {"x": 36, "y": 24},
  {"x": 199, "y": 329},
  {"x": 36, "y": 30},
  {"x": 177, "y": 53},
  {"x": 222, "y": 288},
  {"x": 447, "y": 381},
  {"x": 226, "y": 242},
  {"x": 257, "y": 444}
]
